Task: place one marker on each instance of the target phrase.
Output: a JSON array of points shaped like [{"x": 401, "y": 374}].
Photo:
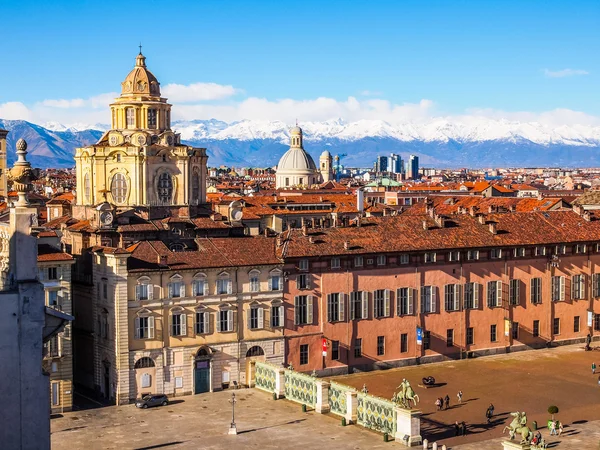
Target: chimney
[
  {"x": 481, "y": 219},
  {"x": 425, "y": 227},
  {"x": 577, "y": 209},
  {"x": 346, "y": 245},
  {"x": 512, "y": 208},
  {"x": 491, "y": 209},
  {"x": 360, "y": 200},
  {"x": 162, "y": 260},
  {"x": 492, "y": 227},
  {"x": 304, "y": 230},
  {"x": 587, "y": 216},
  {"x": 311, "y": 239},
  {"x": 472, "y": 211}
]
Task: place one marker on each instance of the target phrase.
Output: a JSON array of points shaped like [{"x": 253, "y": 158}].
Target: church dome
[
  {"x": 326, "y": 154},
  {"x": 296, "y": 130},
  {"x": 140, "y": 80},
  {"x": 296, "y": 160}
]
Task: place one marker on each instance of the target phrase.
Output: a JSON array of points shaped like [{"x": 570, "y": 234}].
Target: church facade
[{"x": 140, "y": 161}]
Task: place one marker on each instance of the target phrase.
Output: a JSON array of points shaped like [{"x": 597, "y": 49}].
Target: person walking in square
[
  {"x": 552, "y": 427},
  {"x": 459, "y": 395},
  {"x": 464, "y": 428},
  {"x": 438, "y": 403},
  {"x": 560, "y": 428},
  {"x": 593, "y": 368},
  {"x": 446, "y": 402},
  {"x": 456, "y": 428}
]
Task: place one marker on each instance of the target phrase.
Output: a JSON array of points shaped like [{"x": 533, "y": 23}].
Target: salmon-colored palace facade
[{"x": 469, "y": 284}]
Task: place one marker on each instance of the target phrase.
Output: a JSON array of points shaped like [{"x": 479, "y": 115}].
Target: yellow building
[
  {"x": 188, "y": 322},
  {"x": 140, "y": 161}
]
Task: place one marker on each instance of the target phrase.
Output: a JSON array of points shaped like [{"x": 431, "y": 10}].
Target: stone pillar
[
  {"x": 408, "y": 427},
  {"x": 351, "y": 406},
  {"x": 434, "y": 446},
  {"x": 425, "y": 444},
  {"x": 280, "y": 382},
  {"x": 322, "y": 405},
  {"x": 510, "y": 445}
]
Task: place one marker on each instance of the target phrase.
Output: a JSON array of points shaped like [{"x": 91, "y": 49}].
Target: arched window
[
  {"x": 118, "y": 188},
  {"x": 165, "y": 187},
  {"x": 176, "y": 287},
  {"x": 144, "y": 363},
  {"x": 200, "y": 286},
  {"x": 177, "y": 247},
  {"x": 87, "y": 187},
  {"x": 195, "y": 186},
  {"x": 255, "y": 351},
  {"x": 254, "y": 276},
  {"x": 224, "y": 284}
]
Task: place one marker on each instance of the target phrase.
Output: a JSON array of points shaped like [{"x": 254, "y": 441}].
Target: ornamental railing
[
  {"x": 376, "y": 413},
  {"x": 338, "y": 397},
  {"x": 300, "y": 388},
  {"x": 265, "y": 376}
]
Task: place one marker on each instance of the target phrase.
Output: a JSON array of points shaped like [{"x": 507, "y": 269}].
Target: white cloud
[
  {"x": 198, "y": 92},
  {"x": 564, "y": 73},
  {"x": 15, "y": 111}
]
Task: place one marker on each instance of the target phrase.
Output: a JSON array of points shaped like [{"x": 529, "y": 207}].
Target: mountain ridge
[{"x": 475, "y": 143}]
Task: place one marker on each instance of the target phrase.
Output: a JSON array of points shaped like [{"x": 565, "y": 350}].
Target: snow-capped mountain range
[{"x": 478, "y": 142}]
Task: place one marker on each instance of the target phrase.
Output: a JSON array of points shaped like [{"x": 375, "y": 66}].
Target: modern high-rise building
[
  {"x": 381, "y": 164},
  {"x": 395, "y": 163},
  {"x": 412, "y": 167}
]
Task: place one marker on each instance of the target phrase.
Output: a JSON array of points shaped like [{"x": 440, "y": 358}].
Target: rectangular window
[
  {"x": 580, "y": 248},
  {"x": 494, "y": 294},
  {"x": 104, "y": 290},
  {"x": 556, "y": 326},
  {"x": 381, "y": 260},
  {"x": 470, "y": 338},
  {"x": 55, "y": 393},
  {"x": 335, "y": 307},
  {"x": 430, "y": 257},
  {"x": 335, "y": 263},
  {"x": 453, "y": 256},
  {"x": 142, "y": 292},
  {"x": 202, "y": 322},
  {"x": 558, "y": 288},
  {"x": 223, "y": 286},
  {"x": 492, "y": 333},
  {"x": 403, "y": 343},
  {"x": 53, "y": 298},
  {"x": 256, "y": 319},
  {"x": 178, "y": 324},
  {"x": 473, "y": 255},
  {"x": 404, "y": 258},
  {"x": 144, "y": 327},
  {"x": 426, "y": 340},
  {"x": 358, "y": 261},
  {"x": 335, "y": 350},
  {"x": 303, "y": 309},
  {"x": 277, "y": 316},
  {"x": 515, "y": 330},
  {"x": 176, "y": 289},
  {"x": 357, "y": 347},
  {"x": 303, "y": 354},
  {"x": 560, "y": 249},
  {"x": 536, "y": 291},
  {"x": 513, "y": 292},
  {"x": 472, "y": 295},
  {"x": 449, "y": 337},
  {"x": 578, "y": 287},
  {"x": 130, "y": 114},
  {"x": 380, "y": 345},
  {"x": 275, "y": 283},
  {"x": 152, "y": 118},
  {"x": 404, "y": 300},
  {"x": 596, "y": 322},
  {"x": 576, "y": 324},
  {"x": 359, "y": 305},
  {"x": 496, "y": 253},
  {"x": 303, "y": 264},
  {"x": 52, "y": 273},
  {"x": 519, "y": 252},
  {"x": 302, "y": 281},
  {"x": 596, "y": 285},
  {"x": 381, "y": 303},
  {"x": 225, "y": 322},
  {"x": 254, "y": 283},
  {"x": 452, "y": 297},
  {"x": 536, "y": 328},
  {"x": 428, "y": 299},
  {"x": 540, "y": 251}
]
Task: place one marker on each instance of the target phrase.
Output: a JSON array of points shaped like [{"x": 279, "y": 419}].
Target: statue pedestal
[
  {"x": 408, "y": 427},
  {"x": 514, "y": 445}
]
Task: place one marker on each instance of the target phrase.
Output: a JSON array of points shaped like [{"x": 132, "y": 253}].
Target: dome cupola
[{"x": 140, "y": 80}]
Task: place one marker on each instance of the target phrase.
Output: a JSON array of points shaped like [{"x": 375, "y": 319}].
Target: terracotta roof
[
  {"x": 405, "y": 233},
  {"x": 48, "y": 253},
  {"x": 51, "y": 233},
  {"x": 211, "y": 253}
]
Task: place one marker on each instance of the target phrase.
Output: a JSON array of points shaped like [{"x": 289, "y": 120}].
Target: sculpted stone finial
[{"x": 21, "y": 174}]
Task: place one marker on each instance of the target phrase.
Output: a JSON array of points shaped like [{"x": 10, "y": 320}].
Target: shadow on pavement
[
  {"x": 168, "y": 444},
  {"x": 291, "y": 422}
]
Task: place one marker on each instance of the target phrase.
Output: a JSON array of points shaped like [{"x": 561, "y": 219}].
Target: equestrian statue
[
  {"x": 405, "y": 395},
  {"x": 519, "y": 426}
]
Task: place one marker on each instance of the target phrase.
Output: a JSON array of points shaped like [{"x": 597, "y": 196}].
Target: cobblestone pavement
[
  {"x": 524, "y": 381},
  {"x": 202, "y": 422}
]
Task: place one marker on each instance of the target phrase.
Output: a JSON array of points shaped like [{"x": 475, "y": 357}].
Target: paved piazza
[{"x": 528, "y": 381}]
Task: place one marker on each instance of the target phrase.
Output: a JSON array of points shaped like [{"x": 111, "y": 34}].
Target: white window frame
[
  {"x": 558, "y": 288},
  {"x": 336, "y": 263},
  {"x": 540, "y": 251},
  {"x": 454, "y": 256},
  {"x": 147, "y": 318},
  {"x": 225, "y": 317},
  {"x": 452, "y": 297},
  {"x": 596, "y": 285},
  {"x": 472, "y": 293},
  {"x": 277, "y": 311},
  {"x": 578, "y": 287},
  {"x": 275, "y": 275},
  {"x": 381, "y": 303},
  {"x": 429, "y": 257},
  {"x": 178, "y": 322},
  {"x": 336, "y": 303},
  {"x": 303, "y": 302},
  {"x": 428, "y": 300},
  {"x": 359, "y": 300},
  {"x": 381, "y": 260},
  {"x": 224, "y": 285},
  {"x": 202, "y": 321},
  {"x": 358, "y": 261},
  {"x": 473, "y": 255},
  {"x": 494, "y": 293},
  {"x": 144, "y": 283},
  {"x": 514, "y": 292},
  {"x": 256, "y": 317},
  {"x": 496, "y": 253},
  {"x": 176, "y": 287},
  {"x": 254, "y": 280},
  {"x": 200, "y": 285},
  {"x": 303, "y": 264},
  {"x": 519, "y": 252},
  {"x": 535, "y": 290},
  {"x": 405, "y": 299},
  {"x": 404, "y": 258}
]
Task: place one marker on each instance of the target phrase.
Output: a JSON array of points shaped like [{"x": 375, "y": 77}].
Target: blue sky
[{"x": 261, "y": 58}]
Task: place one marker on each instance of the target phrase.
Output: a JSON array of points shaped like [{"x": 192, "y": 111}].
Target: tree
[{"x": 552, "y": 410}]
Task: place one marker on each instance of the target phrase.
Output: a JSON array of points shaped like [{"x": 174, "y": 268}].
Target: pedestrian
[
  {"x": 464, "y": 428},
  {"x": 593, "y": 368},
  {"x": 447, "y": 401},
  {"x": 456, "y": 428},
  {"x": 459, "y": 395},
  {"x": 552, "y": 427},
  {"x": 488, "y": 414},
  {"x": 599, "y": 380},
  {"x": 560, "y": 428},
  {"x": 437, "y": 403}
]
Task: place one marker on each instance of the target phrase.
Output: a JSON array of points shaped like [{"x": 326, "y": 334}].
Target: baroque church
[{"x": 140, "y": 162}]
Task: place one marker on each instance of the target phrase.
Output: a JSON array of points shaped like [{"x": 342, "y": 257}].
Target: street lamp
[{"x": 232, "y": 427}]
